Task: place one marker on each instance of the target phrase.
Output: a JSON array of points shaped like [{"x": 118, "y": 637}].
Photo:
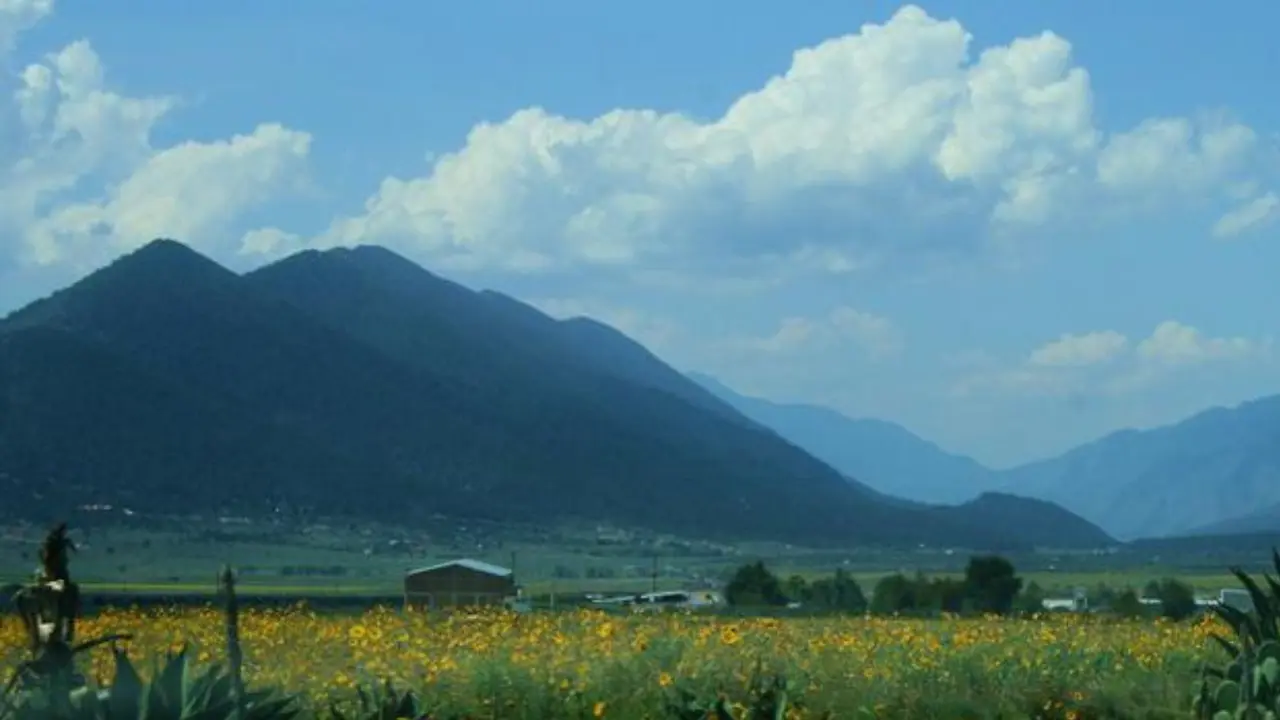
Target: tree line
[{"x": 990, "y": 585}]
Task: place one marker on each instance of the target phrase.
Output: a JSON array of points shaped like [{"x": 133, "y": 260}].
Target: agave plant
[
  {"x": 175, "y": 692},
  {"x": 48, "y": 688},
  {"x": 767, "y": 700},
  {"x": 384, "y": 702},
  {"x": 686, "y": 705},
  {"x": 1249, "y": 686},
  {"x": 48, "y": 609}
]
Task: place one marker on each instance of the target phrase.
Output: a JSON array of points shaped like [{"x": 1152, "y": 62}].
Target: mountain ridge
[
  {"x": 1215, "y": 471},
  {"x": 1209, "y": 467},
  {"x": 346, "y": 401},
  {"x": 879, "y": 453}
]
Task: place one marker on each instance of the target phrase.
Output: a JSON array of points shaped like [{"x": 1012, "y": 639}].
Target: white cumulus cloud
[
  {"x": 897, "y": 140},
  {"x": 1080, "y": 350},
  {"x": 843, "y": 327},
  {"x": 1256, "y": 213},
  {"x": 1107, "y": 362},
  {"x": 189, "y": 191},
  {"x": 19, "y": 15},
  {"x": 81, "y": 181},
  {"x": 1173, "y": 343}
]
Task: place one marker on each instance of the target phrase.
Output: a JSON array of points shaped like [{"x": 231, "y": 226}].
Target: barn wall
[{"x": 456, "y": 586}]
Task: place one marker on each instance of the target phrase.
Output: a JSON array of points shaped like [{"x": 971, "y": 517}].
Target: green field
[
  {"x": 302, "y": 591},
  {"x": 321, "y": 561},
  {"x": 629, "y": 665},
  {"x": 1055, "y": 584}
]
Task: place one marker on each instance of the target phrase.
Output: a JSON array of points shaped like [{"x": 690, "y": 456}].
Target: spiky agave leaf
[
  {"x": 1233, "y": 650},
  {"x": 207, "y": 689},
  {"x": 1274, "y": 586},
  {"x": 1241, "y": 623},
  {"x": 126, "y": 688},
  {"x": 384, "y": 702},
  {"x": 273, "y": 707},
  {"x": 1262, "y": 606}
]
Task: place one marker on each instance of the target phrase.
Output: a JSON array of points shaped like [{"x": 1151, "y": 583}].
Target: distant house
[
  {"x": 459, "y": 583},
  {"x": 1078, "y": 602},
  {"x": 669, "y": 599},
  {"x": 1237, "y": 598}
]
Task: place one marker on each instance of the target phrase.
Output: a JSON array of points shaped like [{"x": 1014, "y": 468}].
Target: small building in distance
[
  {"x": 672, "y": 599},
  {"x": 458, "y": 583},
  {"x": 1238, "y": 598}
]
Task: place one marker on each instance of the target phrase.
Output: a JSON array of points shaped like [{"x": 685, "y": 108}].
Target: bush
[
  {"x": 992, "y": 584},
  {"x": 1177, "y": 600},
  {"x": 839, "y": 593},
  {"x": 753, "y": 585}
]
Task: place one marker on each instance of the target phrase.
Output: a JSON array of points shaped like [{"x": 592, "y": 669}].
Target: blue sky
[{"x": 1010, "y": 227}]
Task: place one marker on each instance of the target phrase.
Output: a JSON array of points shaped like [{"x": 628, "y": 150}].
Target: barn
[{"x": 458, "y": 583}]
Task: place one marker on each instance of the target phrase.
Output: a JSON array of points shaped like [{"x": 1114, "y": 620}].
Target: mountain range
[
  {"x": 884, "y": 455},
  {"x": 354, "y": 382},
  {"x": 1217, "y": 472}
]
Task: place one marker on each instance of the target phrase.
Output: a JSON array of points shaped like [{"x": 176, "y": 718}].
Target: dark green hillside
[{"x": 356, "y": 383}]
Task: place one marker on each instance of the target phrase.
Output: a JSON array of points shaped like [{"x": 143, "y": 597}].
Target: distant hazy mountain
[
  {"x": 1217, "y": 472},
  {"x": 884, "y": 455},
  {"x": 1264, "y": 520},
  {"x": 353, "y": 382},
  {"x": 1214, "y": 470}
]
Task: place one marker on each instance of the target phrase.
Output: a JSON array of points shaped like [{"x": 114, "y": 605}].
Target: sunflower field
[{"x": 592, "y": 664}]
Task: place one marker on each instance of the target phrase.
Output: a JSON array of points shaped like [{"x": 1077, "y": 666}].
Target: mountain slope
[
  {"x": 329, "y": 413},
  {"x": 81, "y": 424},
  {"x": 588, "y": 373},
  {"x": 1039, "y": 522},
  {"x": 886, "y": 456},
  {"x": 1263, "y": 520},
  {"x": 356, "y": 383},
  {"x": 472, "y": 334},
  {"x": 588, "y": 345},
  {"x": 169, "y": 384},
  {"x": 1209, "y": 468}
]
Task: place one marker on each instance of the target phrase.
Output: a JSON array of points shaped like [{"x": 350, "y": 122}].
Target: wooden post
[{"x": 227, "y": 583}]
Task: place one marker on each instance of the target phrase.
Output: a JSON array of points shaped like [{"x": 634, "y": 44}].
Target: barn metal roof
[{"x": 478, "y": 566}]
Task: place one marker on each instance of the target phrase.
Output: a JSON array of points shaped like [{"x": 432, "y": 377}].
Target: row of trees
[{"x": 990, "y": 585}]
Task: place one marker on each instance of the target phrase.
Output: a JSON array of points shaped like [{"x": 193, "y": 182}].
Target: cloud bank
[
  {"x": 1109, "y": 363},
  {"x": 81, "y": 181},
  {"x": 897, "y": 141}
]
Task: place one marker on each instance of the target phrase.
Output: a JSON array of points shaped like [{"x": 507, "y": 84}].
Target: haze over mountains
[
  {"x": 1216, "y": 472},
  {"x": 882, "y": 454},
  {"x": 355, "y": 382}
]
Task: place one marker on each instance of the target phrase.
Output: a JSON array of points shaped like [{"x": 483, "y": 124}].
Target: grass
[
  {"x": 1059, "y": 583},
  {"x": 295, "y": 591},
  {"x": 584, "y": 664},
  {"x": 1063, "y": 582}
]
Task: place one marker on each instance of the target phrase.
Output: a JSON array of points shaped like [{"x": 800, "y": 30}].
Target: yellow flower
[{"x": 580, "y": 654}]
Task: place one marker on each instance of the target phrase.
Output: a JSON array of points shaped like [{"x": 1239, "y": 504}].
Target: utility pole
[
  {"x": 653, "y": 574},
  {"x": 515, "y": 582}
]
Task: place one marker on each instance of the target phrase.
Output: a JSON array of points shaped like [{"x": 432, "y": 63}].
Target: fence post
[{"x": 227, "y": 584}]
